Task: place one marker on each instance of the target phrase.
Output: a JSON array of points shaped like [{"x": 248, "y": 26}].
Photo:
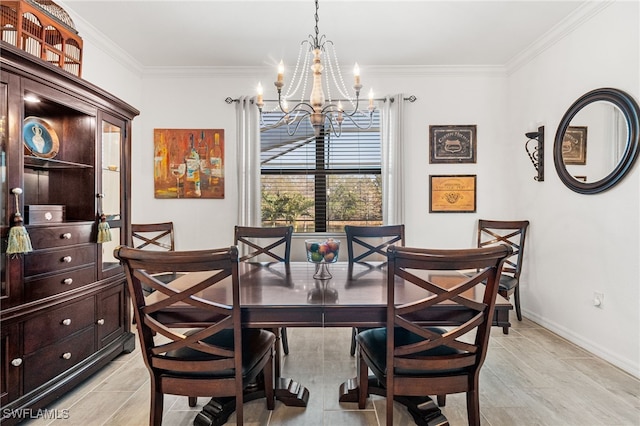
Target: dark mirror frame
[{"x": 631, "y": 113}]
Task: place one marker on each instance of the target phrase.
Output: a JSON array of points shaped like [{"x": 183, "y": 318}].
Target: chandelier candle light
[{"x": 323, "y": 114}]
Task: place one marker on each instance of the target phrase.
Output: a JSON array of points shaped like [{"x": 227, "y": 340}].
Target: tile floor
[{"x": 530, "y": 377}]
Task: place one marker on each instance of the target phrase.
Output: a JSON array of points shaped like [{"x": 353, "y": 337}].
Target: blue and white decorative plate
[{"x": 40, "y": 138}]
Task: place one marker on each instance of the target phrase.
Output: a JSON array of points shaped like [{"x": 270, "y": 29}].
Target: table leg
[
  {"x": 216, "y": 412},
  {"x": 423, "y": 409},
  {"x": 501, "y": 319},
  {"x": 291, "y": 393}
]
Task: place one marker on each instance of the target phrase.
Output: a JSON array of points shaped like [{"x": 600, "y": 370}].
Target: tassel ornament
[
  {"x": 19, "y": 241},
  {"x": 104, "y": 230}
]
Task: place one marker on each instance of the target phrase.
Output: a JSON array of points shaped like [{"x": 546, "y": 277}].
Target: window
[{"x": 320, "y": 184}]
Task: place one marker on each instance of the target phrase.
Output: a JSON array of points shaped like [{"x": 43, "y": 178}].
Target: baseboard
[{"x": 624, "y": 364}]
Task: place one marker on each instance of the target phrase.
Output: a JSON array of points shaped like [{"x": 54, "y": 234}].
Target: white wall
[
  {"x": 577, "y": 244},
  {"x": 197, "y": 101},
  {"x": 580, "y": 244}
]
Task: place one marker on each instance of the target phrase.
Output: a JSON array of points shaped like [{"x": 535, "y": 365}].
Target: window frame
[{"x": 322, "y": 170}]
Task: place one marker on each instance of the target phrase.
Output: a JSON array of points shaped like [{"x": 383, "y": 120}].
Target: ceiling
[{"x": 373, "y": 33}]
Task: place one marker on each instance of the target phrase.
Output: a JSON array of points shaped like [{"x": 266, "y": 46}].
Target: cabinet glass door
[
  {"x": 4, "y": 196},
  {"x": 110, "y": 198}
]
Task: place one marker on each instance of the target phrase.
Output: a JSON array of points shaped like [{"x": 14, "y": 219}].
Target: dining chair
[
  {"x": 512, "y": 233},
  {"x": 369, "y": 243},
  {"x": 410, "y": 359},
  {"x": 153, "y": 236},
  {"x": 266, "y": 243},
  {"x": 157, "y": 237},
  {"x": 219, "y": 359}
]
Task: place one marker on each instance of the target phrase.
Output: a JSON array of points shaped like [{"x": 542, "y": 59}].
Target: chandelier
[{"x": 323, "y": 111}]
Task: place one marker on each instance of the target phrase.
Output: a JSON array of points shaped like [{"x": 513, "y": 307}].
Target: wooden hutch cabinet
[{"x": 64, "y": 307}]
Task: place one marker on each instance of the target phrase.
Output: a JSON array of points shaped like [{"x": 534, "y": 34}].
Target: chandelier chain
[{"x": 317, "y": 17}]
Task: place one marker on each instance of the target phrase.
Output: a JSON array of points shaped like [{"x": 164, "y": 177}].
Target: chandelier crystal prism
[{"x": 324, "y": 112}]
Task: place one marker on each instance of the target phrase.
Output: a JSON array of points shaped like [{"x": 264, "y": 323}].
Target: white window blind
[{"x": 320, "y": 184}]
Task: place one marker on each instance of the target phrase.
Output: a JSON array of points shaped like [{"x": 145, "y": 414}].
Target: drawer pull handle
[
  {"x": 66, "y": 355},
  {"x": 101, "y": 321},
  {"x": 68, "y": 281},
  {"x": 66, "y": 321},
  {"x": 17, "y": 362},
  {"x": 66, "y": 235},
  {"x": 66, "y": 259}
]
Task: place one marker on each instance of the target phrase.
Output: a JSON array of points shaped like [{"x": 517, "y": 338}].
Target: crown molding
[
  {"x": 101, "y": 41},
  {"x": 372, "y": 71},
  {"x": 557, "y": 33},
  {"x": 581, "y": 15}
]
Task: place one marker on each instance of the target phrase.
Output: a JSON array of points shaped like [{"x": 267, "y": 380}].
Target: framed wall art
[
  {"x": 574, "y": 145},
  {"x": 39, "y": 138},
  {"x": 188, "y": 163},
  {"x": 452, "y": 144},
  {"x": 452, "y": 193}
]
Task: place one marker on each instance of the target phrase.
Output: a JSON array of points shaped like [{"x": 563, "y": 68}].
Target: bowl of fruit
[{"x": 322, "y": 253}]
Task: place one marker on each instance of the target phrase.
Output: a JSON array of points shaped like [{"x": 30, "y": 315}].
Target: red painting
[{"x": 188, "y": 163}]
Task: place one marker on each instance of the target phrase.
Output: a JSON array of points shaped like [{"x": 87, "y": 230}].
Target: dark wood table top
[{"x": 274, "y": 295}]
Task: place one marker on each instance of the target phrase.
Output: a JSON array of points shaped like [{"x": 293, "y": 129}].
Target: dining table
[{"x": 275, "y": 295}]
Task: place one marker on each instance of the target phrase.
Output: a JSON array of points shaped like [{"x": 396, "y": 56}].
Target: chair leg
[
  {"x": 193, "y": 401},
  {"x": 442, "y": 400},
  {"x": 363, "y": 381},
  {"x": 390, "y": 396},
  {"x": 473, "y": 407},
  {"x": 354, "y": 331},
  {"x": 285, "y": 341},
  {"x": 517, "y": 299},
  {"x": 268, "y": 383},
  {"x": 157, "y": 402}
]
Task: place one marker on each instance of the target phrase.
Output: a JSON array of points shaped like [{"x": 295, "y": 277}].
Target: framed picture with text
[
  {"x": 452, "y": 193},
  {"x": 452, "y": 144},
  {"x": 574, "y": 145}
]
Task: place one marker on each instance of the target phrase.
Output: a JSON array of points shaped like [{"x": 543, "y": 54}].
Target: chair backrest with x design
[
  {"x": 153, "y": 236},
  {"x": 264, "y": 242},
  {"x": 370, "y": 242},
  {"x": 206, "y": 361},
  {"x": 412, "y": 359},
  {"x": 509, "y": 232},
  {"x": 409, "y": 265}
]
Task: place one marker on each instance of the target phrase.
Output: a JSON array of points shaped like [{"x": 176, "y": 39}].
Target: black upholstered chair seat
[
  {"x": 373, "y": 342},
  {"x": 255, "y": 344},
  {"x": 507, "y": 282}
]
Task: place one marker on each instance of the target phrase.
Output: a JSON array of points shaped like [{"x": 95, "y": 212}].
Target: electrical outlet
[{"x": 598, "y": 299}]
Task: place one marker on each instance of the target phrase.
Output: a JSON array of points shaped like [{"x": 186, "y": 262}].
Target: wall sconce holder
[{"x": 536, "y": 152}]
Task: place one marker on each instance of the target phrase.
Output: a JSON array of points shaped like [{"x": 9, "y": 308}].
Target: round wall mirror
[{"x": 597, "y": 140}]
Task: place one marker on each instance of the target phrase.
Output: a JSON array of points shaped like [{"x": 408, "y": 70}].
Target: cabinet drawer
[
  {"x": 53, "y": 260},
  {"x": 65, "y": 234},
  {"x": 44, "y": 365},
  {"x": 57, "y": 324},
  {"x": 35, "y": 289},
  {"x": 43, "y": 213}
]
